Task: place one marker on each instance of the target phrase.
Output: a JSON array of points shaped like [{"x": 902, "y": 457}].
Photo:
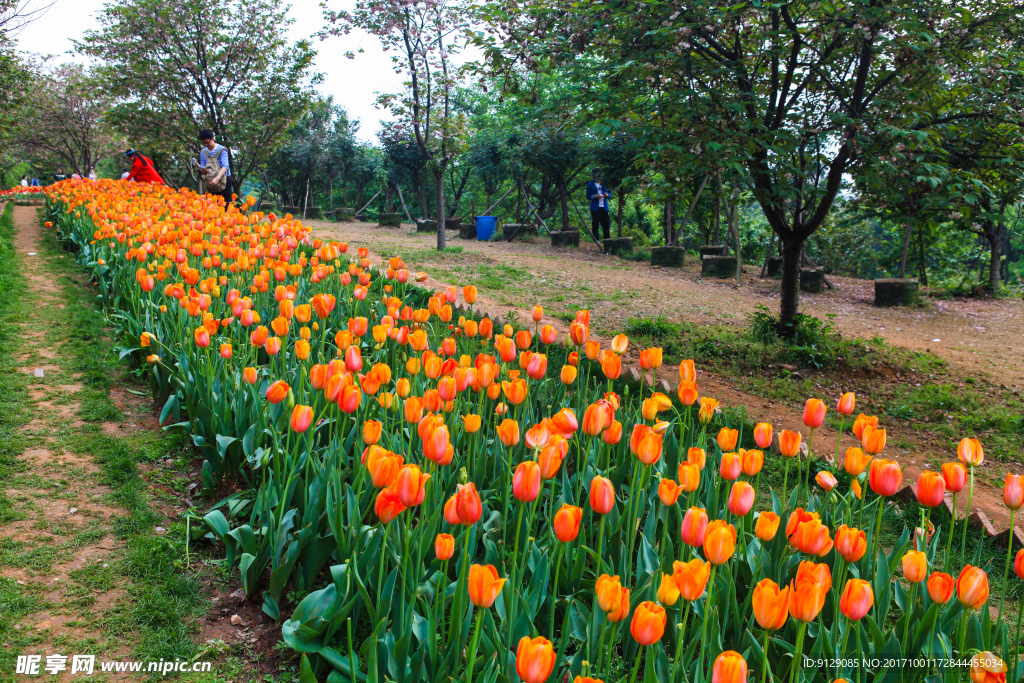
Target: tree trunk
[
  {"x": 995, "y": 240},
  {"x": 622, "y": 195},
  {"x": 671, "y": 236},
  {"x": 906, "y": 247},
  {"x": 330, "y": 188},
  {"x": 421, "y": 192},
  {"x": 519, "y": 200},
  {"x": 789, "y": 306},
  {"x": 439, "y": 187},
  {"x": 563, "y": 193},
  {"x": 923, "y": 266}
]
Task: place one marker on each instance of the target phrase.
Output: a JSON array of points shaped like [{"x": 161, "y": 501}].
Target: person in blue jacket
[{"x": 598, "y": 194}]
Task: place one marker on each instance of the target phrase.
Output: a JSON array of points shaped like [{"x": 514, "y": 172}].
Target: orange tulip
[
  {"x": 444, "y": 546},
  {"x": 668, "y": 492},
  {"x": 609, "y": 592},
  {"x": 1018, "y": 564},
  {"x": 1013, "y": 491},
  {"x": 851, "y": 543},
  {"x": 277, "y": 391},
  {"x": 809, "y": 591},
  {"x": 730, "y": 667},
  {"x": 727, "y": 439},
  {"x": 873, "y": 440},
  {"x": 388, "y": 505},
  {"x": 741, "y": 498},
  {"x": 862, "y": 422},
  {"x": 763, "y": 435},
  {"x": 656, "y": 403},
  {"x": 751, "y": 461},
  {"x": 731, "y": 466},
  {"x": 526, "y": 481},
  {"x": 915, "y": 566},
  {"x": 771, "y": 605},
  {"x": 930, "y": 489},
  {"x": 549, "y": 459},
  {"x": 471, "y": 423},
  {"x": 535, "y": 659},
  {"x": 382, "y": 465},
  {"x": 811, "y": 537},
  {"x": 689, "y": 477},
  {"x": 613, "y": 434},
  {"x": 548, "y": 334},
  {"x": 250, "y": 375},
  {"x": 941, "y": 587},
  {"x": 437, "y": 443},
  {"x": 707, "y": 410},
  {"x": 564, "y": 423},
  {"x": 411, "y": 484},
  {"x": 970, "y": 452},
  {"x": 826, "y": 480},
  {"x": 719, "y": 542},
  {"x": 508, "y": 432},
  {"x": 567, "y": 522},
  {"x": 371, "y": 431},
  {"x": 469, "y": 294},
  {"x": 602, "y": 495},
  {"x": 515, "y": 391},
  {"x": 972, "y": 587},
  {"x": 857, "y": 599},
  {"x": 302, "y": 418},
  {"x": 568, "y": 374},
  {"x": 619, "y": 344},
  {"x": 687, "y": 392},
  {"x": 645, "y": 444},
  {"x": 611, "y": 365},
  {"x": 885, "y": 477},
  {"x": 789, "y": 443},
  {"x": 668, "y": 591},
  {"x": 687, "y": 372},
  {"x": 987, "y": 668},
  {"x": 650, "y": 359},
  {"x": 814, "y": 413},
  {"x": 648, "y": 625},
  {"x": 691, "y": 578},
  {"x": 856, "y": 461},
  {"x": 846, "y": 404},
  {"x": 694, "y": 529},
  {"x": 955, "y": 476},
  {"x": 468, "y": 504},
  {"x": 484, "y": 585},
  {"x": 767, "y": 526},
  {"x": 597, "y": 417}
]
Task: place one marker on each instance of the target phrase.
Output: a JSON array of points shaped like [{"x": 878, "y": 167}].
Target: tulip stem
[
  {"x": 877, "y": 533},
  {"x": 351, "y": 652},
  {"x": 515, "y": 586},
  {"x": 1016, "y": 647},
  {"x": 636, "y": 666},
  {"x": 600, "y": 643},
  {"x": 600, "y": 546},
  {"x": 1006, "y": 572},
  {"x": 963, "y": 631},
  {"x": 785, "y": 487},
  {"x": 764, "y": 669},
  {"x": 952, "y": 531},
  {"x": 842, "y": 425},
  {"x": 798, "y": 654},
  {"x": 807, "y": 478},
  {"x": 910, "y": 611},
  {"x": 472, "y": 647},
  {"x": 967, "y": 514},
  {"x": 442, "y": 580},
  {"x": 707, "y": 615},
  {"x": 679, "y": 647},
  {"x": 842, "y": 653},
  {"x": 554, "y": 590}
]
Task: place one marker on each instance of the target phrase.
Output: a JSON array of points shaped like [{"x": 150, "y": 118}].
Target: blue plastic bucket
[{"x": 485, "y": 226}]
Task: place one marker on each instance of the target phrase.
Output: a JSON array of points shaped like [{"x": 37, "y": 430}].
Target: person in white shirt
[{"x": 24, "y": 181}]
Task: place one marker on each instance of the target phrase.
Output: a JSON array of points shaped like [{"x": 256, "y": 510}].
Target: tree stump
[
  {"x": 618, "y": 245},
  {"x": 896, "y": 292},
  {"x": 345, "y": 213},
  {"x": 362, "y": 218},
  {"x": 774, "y": 266},
  {"x": 812, "y": 279},
  {"x": 313, "y": 213},
  {"x": 267, "y": 207},
  {"x": 565, "y": 238},
  {"x": 293, "y": 210},
  {"x": 520, "y": 230},
  {"x": 668, "y": 257},
  {"x": 712, "y": 250},
  {"x": 467, "y": 231},
  {"x": 453, "y": 223},
  {"x": 720, "y": 266},
  {"x": 426, "y": 225},
  {"x": 391, "y": 220}
]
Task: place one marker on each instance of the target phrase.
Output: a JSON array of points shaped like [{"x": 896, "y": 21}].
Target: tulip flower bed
[{"x": 460, "y": 499}]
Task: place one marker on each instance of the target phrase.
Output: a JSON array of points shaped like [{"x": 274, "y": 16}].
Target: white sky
[{"x": 352, "y": 82}]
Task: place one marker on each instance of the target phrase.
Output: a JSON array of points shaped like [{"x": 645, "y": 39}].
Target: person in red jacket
[{"x": 142, "y": 170}]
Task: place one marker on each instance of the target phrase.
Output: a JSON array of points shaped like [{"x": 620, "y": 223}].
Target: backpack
[{"x": 213, "y": 168}]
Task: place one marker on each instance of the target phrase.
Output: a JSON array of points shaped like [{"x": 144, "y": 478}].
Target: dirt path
[
  {"x": 975, "y": 336},
  {"x": 523, "y": 274}
]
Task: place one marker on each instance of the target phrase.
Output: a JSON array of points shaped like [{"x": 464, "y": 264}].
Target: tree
[
  {"x": 422, "y": 34},
  {"x": 559, "y": 156},
  {"x": 487, "y": 157},
  {"x": 617, "y": 157},
  {"x": 63, "y": 120},
  {"x": 790, "y": 96},
  {"x": 178, "y": 66}
]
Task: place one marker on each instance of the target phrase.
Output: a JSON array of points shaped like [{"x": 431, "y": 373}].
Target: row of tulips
[{"x": 462, "y": 499}]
